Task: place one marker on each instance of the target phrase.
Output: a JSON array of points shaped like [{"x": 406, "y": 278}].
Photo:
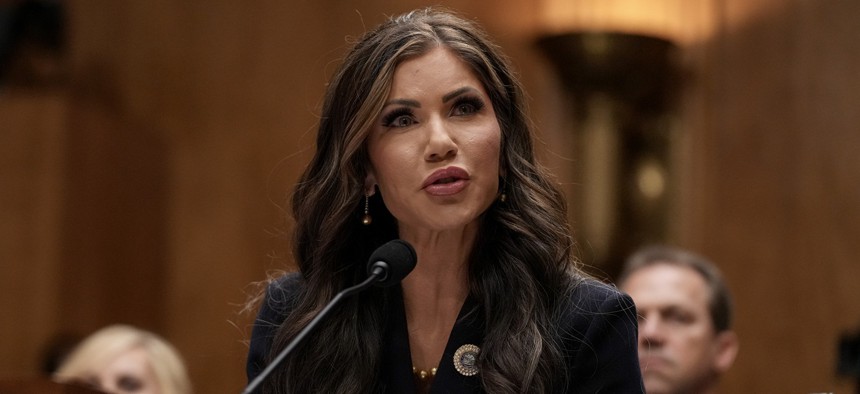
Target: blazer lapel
[
  {"x": 468, "y": 330},
  {"x": 397, "y": 358}
]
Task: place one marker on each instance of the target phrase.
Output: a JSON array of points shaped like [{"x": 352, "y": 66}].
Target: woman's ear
[{"x": 370, "y": 184}]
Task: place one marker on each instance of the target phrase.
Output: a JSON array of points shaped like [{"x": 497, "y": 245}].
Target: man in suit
[{"x": 685, "y": 312}]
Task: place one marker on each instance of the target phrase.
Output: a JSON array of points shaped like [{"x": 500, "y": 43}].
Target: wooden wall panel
[
  {"x": 31, "y": 166},
  {"x": 779, "y": 192}
]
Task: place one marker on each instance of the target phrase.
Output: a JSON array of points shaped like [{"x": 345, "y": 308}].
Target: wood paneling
[
  {"x": 31, "y": 197},
  {"x": 778, "y": 191}
]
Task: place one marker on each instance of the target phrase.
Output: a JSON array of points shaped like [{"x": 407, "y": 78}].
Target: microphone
[
  {"x": 387, "y": 266},
  {"x": 391, "y": 262}
]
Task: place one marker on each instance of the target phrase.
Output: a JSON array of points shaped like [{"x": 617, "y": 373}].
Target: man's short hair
[{"x": 720, "y": 300}]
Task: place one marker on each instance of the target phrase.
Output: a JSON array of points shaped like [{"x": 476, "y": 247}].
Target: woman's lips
[{"x": 446, "y": 181}]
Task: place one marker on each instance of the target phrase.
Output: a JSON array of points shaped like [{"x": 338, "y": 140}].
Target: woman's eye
[
  {"x": 467, "y": 106},
  {"x": 129, "y": 384},
  {"x": 402, "y": 121},
  {"x": 402, "y": 117},
  {"x": 465, "y": 109}
]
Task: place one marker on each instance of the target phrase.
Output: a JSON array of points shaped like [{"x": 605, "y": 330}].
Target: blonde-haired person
[{"x": 123, "y": 359}]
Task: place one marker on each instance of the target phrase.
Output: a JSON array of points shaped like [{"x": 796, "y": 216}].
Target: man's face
[{"x": 679, "y": 351}]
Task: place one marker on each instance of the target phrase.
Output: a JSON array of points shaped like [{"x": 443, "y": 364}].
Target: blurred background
[{"x": 148, "y": 149}]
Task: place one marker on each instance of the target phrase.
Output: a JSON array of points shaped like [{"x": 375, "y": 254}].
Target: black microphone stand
[{"x": 377, "y": 273}]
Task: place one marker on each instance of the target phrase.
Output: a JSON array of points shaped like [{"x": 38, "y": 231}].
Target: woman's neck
[
  {"x": 443, "y": 264},
  {"x": 435, "y": 291}
]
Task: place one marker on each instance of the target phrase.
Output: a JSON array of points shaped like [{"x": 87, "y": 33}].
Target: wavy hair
[{"x": 521, "y": 267}]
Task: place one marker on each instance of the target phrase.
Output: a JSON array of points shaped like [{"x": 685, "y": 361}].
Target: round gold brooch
[{"x": 466, "y": 360}]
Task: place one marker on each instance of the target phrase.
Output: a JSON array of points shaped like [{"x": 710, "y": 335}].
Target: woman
[
  {"x": 122, "y": 359},
  {"x": 424, "y": 137}
]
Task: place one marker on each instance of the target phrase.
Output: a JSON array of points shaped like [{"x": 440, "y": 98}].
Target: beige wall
[{"x": 147, "y": 190}]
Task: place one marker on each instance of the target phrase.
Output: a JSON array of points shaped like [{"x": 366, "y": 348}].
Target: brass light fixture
[{"x": 623, "y": 88}]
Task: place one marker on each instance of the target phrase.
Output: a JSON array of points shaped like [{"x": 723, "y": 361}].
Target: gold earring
[{"x": 366, "y": 219}]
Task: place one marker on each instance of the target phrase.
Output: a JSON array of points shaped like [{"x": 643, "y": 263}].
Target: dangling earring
[
  {"x": 366, "y": 219},
  {"x": 502, "y": 196}
]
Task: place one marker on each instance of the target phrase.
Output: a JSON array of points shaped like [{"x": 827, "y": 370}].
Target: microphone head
[{"x": 397, "y": 258}]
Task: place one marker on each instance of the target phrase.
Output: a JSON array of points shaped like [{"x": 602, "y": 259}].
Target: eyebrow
[
  {"x": 406, "y": 102},
  {"x": 446, "y": 98},
  {"x": 457, "y": 92}
]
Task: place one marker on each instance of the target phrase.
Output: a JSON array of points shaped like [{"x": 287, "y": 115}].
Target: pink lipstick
[{"x": 446, "y": 181}]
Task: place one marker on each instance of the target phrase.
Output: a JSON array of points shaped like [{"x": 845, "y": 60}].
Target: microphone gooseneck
[{"x": 387, "y": 266}]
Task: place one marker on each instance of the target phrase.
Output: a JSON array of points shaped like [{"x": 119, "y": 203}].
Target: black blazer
[{"x": 599, "y": 337}]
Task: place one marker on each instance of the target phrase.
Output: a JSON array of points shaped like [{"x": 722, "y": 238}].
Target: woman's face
[
  {"x": 128, "y": 373},
  {"x": 434, "y": 150}
]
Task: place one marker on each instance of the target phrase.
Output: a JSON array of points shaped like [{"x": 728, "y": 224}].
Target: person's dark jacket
[{"x": 599, "y": 336}]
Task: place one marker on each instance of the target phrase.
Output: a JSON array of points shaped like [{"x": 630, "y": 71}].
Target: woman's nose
[{"x": 440, "y": 143}]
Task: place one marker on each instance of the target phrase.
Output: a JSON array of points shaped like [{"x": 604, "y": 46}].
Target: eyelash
[
  {"x": 392, "y": 116},
  {"x": 476, "y": 103},
  {"x": 476, "y": 106}
]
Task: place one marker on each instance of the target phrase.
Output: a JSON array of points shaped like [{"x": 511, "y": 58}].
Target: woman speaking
[{"x": 423, "y": 137}]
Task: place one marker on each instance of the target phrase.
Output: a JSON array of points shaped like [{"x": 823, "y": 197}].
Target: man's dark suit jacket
[{"x": 600, "y": 342}]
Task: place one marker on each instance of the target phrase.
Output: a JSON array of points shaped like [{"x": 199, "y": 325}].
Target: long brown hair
[{"x": 521, "y": 265}]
